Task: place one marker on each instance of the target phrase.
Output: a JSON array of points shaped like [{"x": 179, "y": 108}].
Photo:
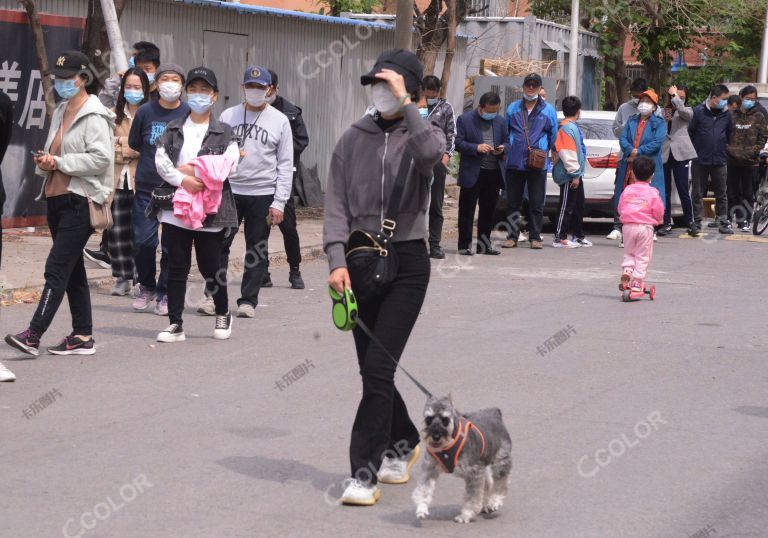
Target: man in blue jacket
[
  {"x": 481, "y": 140},
  {"x": 710, "y": 130},
  {"x": 532, "y": 124}
]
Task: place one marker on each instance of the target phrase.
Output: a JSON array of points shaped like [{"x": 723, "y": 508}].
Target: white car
[{"x": 600, "y": 173}]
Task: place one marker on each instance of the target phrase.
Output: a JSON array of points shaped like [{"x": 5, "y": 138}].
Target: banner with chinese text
[{"x": 20, "y": 80}]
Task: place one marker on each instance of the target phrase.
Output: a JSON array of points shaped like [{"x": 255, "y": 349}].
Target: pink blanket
[{"x": 192, "y": 209}]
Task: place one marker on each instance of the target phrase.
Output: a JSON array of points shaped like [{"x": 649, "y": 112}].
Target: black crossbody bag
[{"x": 371, "y": 260}]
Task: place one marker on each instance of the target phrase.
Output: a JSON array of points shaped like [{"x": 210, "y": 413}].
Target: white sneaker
[
  {"x": 396, "y": 470},
  {"x": 621, "y": 244},
  {"x": 522, "y": 238},
  {"x": 564, "y": 243},
  {"x": 246, "y": 311},
  {"x": 207, "y": 308},
  {"x": 121, "y": 287},
  {"x": 161, "y": 307},
  {"x": 223, "y": 328},
  {"x": 174, "y": 333},
  {"x": 359, "y": 494},
  {"x": 583, "y": 242},
  {"x": 6, "y": 374},
  {"x": 654, "y": 237},
  {"x": 614, "y": 235}
]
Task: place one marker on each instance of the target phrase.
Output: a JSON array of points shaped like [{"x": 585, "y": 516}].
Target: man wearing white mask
[
  {"x": 147, "y": 128},
  {"x": 262, "y": 182}
]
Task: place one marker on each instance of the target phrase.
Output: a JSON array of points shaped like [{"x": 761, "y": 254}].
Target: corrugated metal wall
[{"x": 331, "y": 97}]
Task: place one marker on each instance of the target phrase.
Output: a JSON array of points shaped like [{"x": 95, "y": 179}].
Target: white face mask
[
  {"x": 383, "y": 100},
  {"x": 634, "y": 100},
  {"x": 255, "y": 97},
  {"x": 271, "y": 99},
  {"x": 169, "y": 91},
  {"x": 645, "y": 109}
]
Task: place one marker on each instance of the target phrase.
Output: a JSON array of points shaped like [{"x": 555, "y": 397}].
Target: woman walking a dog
[{"x": 361, "y": 180}]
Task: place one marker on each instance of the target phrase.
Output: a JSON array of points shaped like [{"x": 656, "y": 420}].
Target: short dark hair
[
  {"x": 734, "y": 99},
  {"x": 571, "y": 106},
  {"x": 718, "y": 90},
  {"x": 490, "y": 99},
  {"x": 431, "y": 82},
  {"x": 274, "y": 77},
  {"x": 643, "y": 167},
  {"x": 639, "y": 85},
  {"x": 146, "y": 45},
  {"x": 147, "y": 55},
  {"x": 746, "y": 90}
]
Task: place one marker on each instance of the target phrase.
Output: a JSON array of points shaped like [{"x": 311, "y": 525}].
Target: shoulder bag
[
  {"x": 371, "y": 260},
  {"x": 537, "y": 158}
]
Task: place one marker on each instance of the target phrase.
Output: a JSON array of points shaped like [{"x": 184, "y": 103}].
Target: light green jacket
[{"x": 87, "y": 151}]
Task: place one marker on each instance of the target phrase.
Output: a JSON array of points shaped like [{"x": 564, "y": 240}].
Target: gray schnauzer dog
[{"x": 476, "y": 447}]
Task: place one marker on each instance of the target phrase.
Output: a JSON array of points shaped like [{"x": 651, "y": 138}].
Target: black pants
[
  {"x": 484, "y": 194},
  {"x": 571, "y": 216},
  {"x": 701, "y": 175},
  {"x": 437, "y": 197},
  {"x": 536, "y": 181},
  {"x": 741, "y": 195},
  {"x": 178, "y": 243},
  {"x": 70, "y": 227},
  {"x": 678, "y": 170},
  {"x": 382, "y": 422},
  {"x": 145, "y": 243},
  {"x": 290, "y": 236},
  {"x": 254, "y": 211}
]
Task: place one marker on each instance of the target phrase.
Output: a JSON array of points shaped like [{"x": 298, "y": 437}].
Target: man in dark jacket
[
  {"x": 482, "y": 140},
  {"x": 6, "y": 127},
  {"x": 748, "y": 136},
  {"x": 710, "y": 130},
  {"x": 440, "y": 113},
  {"x": 288, "y": 226}
]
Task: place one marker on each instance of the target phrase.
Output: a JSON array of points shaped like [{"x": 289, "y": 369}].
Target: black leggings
[
  {"x": 178, "y": 242},
  {"x": 382, "y": 422}
]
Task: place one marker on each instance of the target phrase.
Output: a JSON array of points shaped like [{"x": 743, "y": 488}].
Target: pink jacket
[
  {"x": 192, "y": 209},
  {"x": 641, "y": 204}
]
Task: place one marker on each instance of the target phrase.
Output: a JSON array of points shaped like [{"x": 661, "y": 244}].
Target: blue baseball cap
[{"x": 257, "y": 74}]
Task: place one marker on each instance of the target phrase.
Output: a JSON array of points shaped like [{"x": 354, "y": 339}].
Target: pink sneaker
[
  {"x": 144, "y": 298},
  {"x": 161, "y": 307},
  {"x": 637, "y": 286}
]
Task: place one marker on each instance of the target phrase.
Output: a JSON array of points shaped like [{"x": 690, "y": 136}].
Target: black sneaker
[
  {"x": 725, "y": 228},
  {"x": 664, "y": 230},
  {"x": 466, "y": 252},
  {"x": 74, "y": 345},
  {"x": 436, "y": 252},
  {"x": 294, "y": 277},
  {"x": 99, "y": 257},
  {"x": 713, "y": 224},
  {"x": 694, "y": 231},
  {"x": 266, "y": 281},
  {"x": 27, "y": 341},
  {"x": 174, "y": 333}
]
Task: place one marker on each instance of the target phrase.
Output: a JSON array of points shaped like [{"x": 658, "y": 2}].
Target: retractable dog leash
[{"x": 345, "y": 318}]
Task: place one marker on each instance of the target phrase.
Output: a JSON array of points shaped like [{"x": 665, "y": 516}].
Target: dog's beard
[{"x": 444, "y": 438}]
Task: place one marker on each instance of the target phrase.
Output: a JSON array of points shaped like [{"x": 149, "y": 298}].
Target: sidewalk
[{"x": 24, "y": 253}]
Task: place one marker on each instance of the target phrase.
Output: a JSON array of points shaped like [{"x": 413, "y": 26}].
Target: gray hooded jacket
[{"x": 363, "y": 168}]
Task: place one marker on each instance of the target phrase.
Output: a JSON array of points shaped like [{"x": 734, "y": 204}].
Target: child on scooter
[{"x": 640, "y": 209}]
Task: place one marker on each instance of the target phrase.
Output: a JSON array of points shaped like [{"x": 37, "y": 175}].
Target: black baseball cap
[
  {"x": 533, "y": 77},
  {"x": 70, "y": 63},
  {"x": 204, "y": 74},
  {"x": 401, "y": 61}
]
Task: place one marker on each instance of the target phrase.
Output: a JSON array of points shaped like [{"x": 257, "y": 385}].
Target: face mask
[
  {"x": 383, "y": 100},
  {"x": 151, "y": 77},
  {"x": 131, "y": 62},
  {"x": 66, "y": 88},
  {"x": 634, "y": 100},
  {"x": 432, "y": 102},
  {"x": 488, "y": 116},
  {"x": 272, "y": 98},
  {"x": 424, "y": 112},
  {"x": 255, "y": 97},
  {"x": 530, "y": 98},
  {"x": 199, "y": 102},
  {"x": 134, "y": 96},
  {"x": 169, "y": 91},
  {"x": 645, "y": 109},
  {"x": 722, "y": 104},
  {"x": 747, "y": 104}
]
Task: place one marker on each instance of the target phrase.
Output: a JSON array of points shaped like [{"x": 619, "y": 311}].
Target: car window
[
  {"x": 763, "y": 101},
  {"x": 597, "y": 129}
]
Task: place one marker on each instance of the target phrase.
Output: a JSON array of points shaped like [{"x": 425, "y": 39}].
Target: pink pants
[{"x": 638, "y": 249}]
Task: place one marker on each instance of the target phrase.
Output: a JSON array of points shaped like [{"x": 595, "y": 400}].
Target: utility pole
[
  {"x": 115, "y": 37},
  {"x": 763, "y": 73},
  {"x": 574, "y": 61},
  {"x": 404, "y": 25}
]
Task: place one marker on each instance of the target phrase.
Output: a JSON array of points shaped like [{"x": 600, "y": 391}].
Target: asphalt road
[{"x": 650, "y": 419}]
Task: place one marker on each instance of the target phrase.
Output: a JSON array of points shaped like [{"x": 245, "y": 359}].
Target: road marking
[{"x": 748, "y": 238}]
